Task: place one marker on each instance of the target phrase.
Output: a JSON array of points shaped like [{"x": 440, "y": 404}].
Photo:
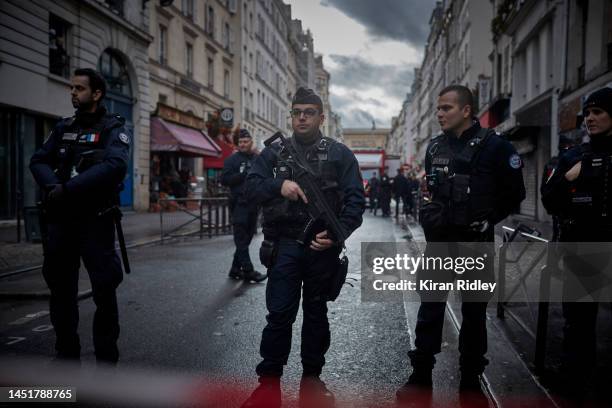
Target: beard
[
  {"x": 82, "y": 106},
  {"x": 306, "y": 137}
]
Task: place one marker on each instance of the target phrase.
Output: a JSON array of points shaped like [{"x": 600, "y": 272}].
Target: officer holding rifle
[{"x": 313, "y": 199}]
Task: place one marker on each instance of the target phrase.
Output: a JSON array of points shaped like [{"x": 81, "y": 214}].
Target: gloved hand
[
  {"x": 56, "y": 192},
  {"x": 479, "y": 226}
]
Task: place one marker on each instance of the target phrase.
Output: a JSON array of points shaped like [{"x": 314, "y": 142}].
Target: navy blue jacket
[
  {"x": 53, "y": 163},
  {"x": 262, "y": 186},
  {"x": 235, "y": 170},
  {"x": 497, "y": 162}
]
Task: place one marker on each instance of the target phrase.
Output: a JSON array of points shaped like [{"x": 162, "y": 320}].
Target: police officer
[
  {"x": 578, "y": 193},
  {"x": 374, "y": 190},
  {"x": 385, "y": 194},
  {"x": 475, "y": 180},
  {"x": 295, "y": 267},
  {"x": 244, "y": 213},
  {"x": 565, "y": 144},
  {"x": 81, "y": 167},
  {"x": 401, "y": 189}
]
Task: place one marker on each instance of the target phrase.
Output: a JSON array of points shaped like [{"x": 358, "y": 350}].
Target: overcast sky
[{"x": 370, "y": 48}]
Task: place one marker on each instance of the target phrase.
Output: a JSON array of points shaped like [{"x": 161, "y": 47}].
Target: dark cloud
[
  {"x": 358, "y": 118},
  {"x": 400, "y": 20},
  {"x": 357, "y": 73},
  {"x": 352, "y": 97}
]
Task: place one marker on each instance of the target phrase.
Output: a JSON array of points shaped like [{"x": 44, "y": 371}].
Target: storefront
[{"x": 177, "y": 153}]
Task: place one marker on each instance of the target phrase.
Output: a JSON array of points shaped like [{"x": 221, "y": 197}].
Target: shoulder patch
[
  {"x": 124, "y": 138},
  {"x": 515, "y": 161}
]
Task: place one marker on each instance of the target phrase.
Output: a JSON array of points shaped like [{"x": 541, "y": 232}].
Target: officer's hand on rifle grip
[
  {"x": 321, "y": 242},
  {"x": 574, "y": 172},
  {"x": 292, "y": 191}
]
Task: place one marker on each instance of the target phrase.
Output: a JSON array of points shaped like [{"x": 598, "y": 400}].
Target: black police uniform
[
  {"x": 374, "y": 193},
  {"x": 584, "y": 210},
  {"x": 244, "y": 212},
  {"x": 297, "y": 266},
  {"x": 385, "y": 195},
  {"x": 401, "y": 189},
  {"x": 475, "y": 181},
  {"x": 88, "y": 154}
]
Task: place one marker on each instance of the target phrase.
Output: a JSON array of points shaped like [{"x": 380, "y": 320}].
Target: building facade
[
  {"x": 43, "y": 43},
  {"x": 457, "y": 52},
  {"x": 272, "y": 98},
  {"x": 195, "y": 71}
]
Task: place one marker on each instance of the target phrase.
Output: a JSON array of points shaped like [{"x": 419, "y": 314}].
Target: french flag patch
[{"x": 92, "y": 137}]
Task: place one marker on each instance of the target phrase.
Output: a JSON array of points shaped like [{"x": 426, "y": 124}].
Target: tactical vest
[
  {"x": 454, "y": 182},
  {"x": 287, "y": 218},
  {"x": 79, "y": 148},
  {"x": 590, "y": 196}
]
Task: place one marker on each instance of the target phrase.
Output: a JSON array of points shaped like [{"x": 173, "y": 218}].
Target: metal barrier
[
  {"x": 181, "y": 217},
  {"x": 530, "y": 236}
]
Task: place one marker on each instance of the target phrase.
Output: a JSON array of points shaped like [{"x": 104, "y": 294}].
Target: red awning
[
  {"x": 217, "y": 162},
  {"x": 169, "y": 137}
]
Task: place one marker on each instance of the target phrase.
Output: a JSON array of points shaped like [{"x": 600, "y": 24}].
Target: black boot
[
  {"x": 266, "y": 395},
  {"x": 235, "y": 273},
  {"x": 418, "y": 388},
  {"x": 251, "y": 275},
  {"x": 314, "y": 393}
]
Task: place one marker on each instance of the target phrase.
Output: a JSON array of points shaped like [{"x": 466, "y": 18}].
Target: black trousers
[
  {"x": 244, "y": 220},
  {"x": 92, "y": 240},
  {"x": 297, "y": 269},
  {"x": 430, "y": 318}
]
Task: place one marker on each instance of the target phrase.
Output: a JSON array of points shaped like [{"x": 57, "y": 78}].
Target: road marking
[
  {"x": 14, "y": 340},
  {"x": 42, "y": 328},
  {"x": 29, "y": 317}
]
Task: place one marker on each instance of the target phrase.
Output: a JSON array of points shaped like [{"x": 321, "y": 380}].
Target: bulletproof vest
[
  {"x": 80, "y": 147},
  {"x": 590, "y": 196},
  {"x": 290, "y": 216},
  {"x": 455, "y": 182}
]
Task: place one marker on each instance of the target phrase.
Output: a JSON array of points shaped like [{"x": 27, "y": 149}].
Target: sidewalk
[
  {"x": 137, "y": 227},
  {"x": 510, "y": 342}
]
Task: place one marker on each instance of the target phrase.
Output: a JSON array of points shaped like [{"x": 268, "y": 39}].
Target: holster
[
  {"x": 338, "y": 278},
  {"x": 433, "y": 217},
  {"x": 268, "y": 252}
]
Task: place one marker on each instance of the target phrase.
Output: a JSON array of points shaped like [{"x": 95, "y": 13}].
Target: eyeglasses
[{"x": 308, "y": 113}]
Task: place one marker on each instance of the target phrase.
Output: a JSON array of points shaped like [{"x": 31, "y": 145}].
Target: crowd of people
[{"x": 403, "y": 188}]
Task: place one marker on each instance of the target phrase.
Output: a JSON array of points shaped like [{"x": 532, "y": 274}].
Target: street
[{"x": 179, "y": 313}]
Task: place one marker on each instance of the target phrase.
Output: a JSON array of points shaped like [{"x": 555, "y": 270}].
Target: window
[
  {"x": 259, "y": 65},
  {"x": 260, "y": 27},
  {"x": 251, "y": 66},
  {"x": 189, "y": 59},
  {"x": 226, "y": 36},
  {"x": 226, "y": 84},
  {"x": 210, "y": 21},
  {"x": 211, "y": 73},
  {"x": 59, "y": 60},
  {"x": 114, "y": 71},
  {"x": 163, "y": 44},
  {"x": 188, "y": 8}
]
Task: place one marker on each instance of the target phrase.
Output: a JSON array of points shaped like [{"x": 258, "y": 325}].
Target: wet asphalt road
[{"x": 180, "y": 313}]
